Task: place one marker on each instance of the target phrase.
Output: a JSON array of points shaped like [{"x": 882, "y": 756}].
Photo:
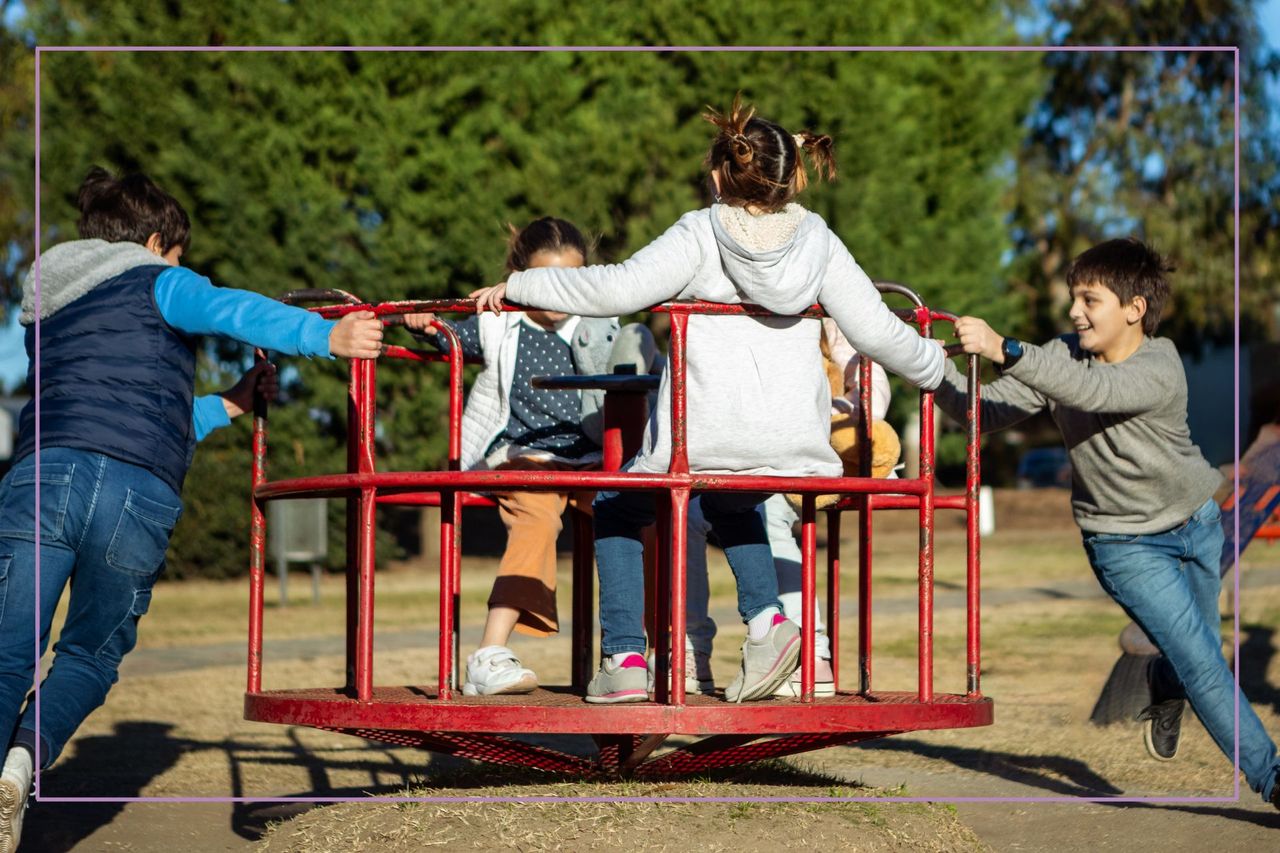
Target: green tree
[
  {"x": 1141, "y": 142},
  {"x": 390, "y": 175}
]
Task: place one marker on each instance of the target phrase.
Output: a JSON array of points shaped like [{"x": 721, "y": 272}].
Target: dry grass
[
  {"x": 609, "y": 824},
  {"x": 1045, "y": 660}
]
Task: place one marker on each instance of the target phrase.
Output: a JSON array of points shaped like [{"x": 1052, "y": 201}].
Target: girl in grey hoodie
[{"x": 758, "y": 397}]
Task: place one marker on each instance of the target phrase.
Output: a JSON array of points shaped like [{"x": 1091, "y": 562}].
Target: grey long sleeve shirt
[{"x": 1134, "y": 468}]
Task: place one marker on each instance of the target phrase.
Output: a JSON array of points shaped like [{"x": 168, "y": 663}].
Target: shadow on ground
[
  {"x": 122, "y": 765},
  {"x": 1055, "y": 774}
]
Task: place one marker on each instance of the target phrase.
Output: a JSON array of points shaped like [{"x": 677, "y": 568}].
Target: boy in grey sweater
[{"x": 1141, "y": 492}]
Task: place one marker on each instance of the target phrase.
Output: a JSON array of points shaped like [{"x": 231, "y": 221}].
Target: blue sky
[{"x": 13, "y": 359}]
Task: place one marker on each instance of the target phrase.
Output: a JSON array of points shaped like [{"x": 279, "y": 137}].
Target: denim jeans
[
  {"x": 738, "y": 521},
  {"x": 779, "y": 517},
  {"x": 104, "y": 527},
  {"x": 1168, "y": 583}
]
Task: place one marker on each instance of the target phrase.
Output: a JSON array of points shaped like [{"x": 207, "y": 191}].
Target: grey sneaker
[
  {"x": 824, "y": 682},
  {"x": 15, "y": 785},
  {"x": 1163, "y": 729},
  {"x": 766, "y": 663},
  {"x": 495, "y": 670},
  {"x": 625, "y": 683},
  {"x": 697, "y": 673}
]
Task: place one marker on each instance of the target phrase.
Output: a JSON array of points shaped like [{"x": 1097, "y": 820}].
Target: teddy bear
[{"x": 886, "y": 449}]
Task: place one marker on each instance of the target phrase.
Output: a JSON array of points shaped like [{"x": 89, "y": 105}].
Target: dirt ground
[{"x": 173, "y": 728}]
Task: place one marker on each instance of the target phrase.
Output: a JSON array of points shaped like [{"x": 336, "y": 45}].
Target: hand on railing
[
  {"x": 357, "y": 335},
  {"x": 489, "y": 298},
  {"x": 261, "y": 378},
  {"x": 420, "y": 324},
  {"x": 976, "y": 336}
]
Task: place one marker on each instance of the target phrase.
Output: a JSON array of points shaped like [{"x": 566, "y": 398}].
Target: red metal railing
[{"x": 364, "y": 488}]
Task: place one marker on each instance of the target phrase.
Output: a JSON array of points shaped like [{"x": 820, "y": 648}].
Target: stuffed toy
[{"x": 886, "y": 449}]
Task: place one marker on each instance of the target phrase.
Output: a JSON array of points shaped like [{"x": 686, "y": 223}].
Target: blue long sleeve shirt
[{"x": 192, "y": 304}]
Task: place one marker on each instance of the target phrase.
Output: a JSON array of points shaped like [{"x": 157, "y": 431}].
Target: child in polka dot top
[{"x": 509, "y": 424}]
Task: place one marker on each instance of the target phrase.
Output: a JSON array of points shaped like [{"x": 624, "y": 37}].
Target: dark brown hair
[
  {"x": 130, "y": 208},
  {"x": 1128, "y": 268},
  {"x": 760, "y": 162},
  {"x": 547, "y": 234}
]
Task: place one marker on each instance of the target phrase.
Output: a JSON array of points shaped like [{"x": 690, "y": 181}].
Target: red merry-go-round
[{"x": 714, "y": 733}]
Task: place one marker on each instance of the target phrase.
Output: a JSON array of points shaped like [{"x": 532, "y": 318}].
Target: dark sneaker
[
  {"x": 1164, "y": 727},
  {"x": 1275, "y": 791}
]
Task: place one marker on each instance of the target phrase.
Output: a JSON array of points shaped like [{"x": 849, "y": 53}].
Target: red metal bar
[
  {"x": 367, "y": 544},
  {"x": 558, "y": 711},
  {"x": 808, "y": 590},
  {"x": 679, "y": 591},
  {"x": 624, "y": 411},
  {"x": 257, "y": 539},
  {"x": 380, "y": 710},
  {"x": 432, "y": 499},
  {"x": 927, "y": 474},
  {"x": 355, "y": 391},
  {"x": 973, "y": 550},
  {"x": 455, "y": 393},
  {"x": 449, "y": 511},
  {"x": 559, "y": 481},
  {"x": 864, "y": 595},
  {"x": 583, "y": 600},
  {"x": 903, "y": 501},
  {"x": 659, "y": 593},
  {"x": 833, "y": 593},
  {"x": 679, "y": 402}
]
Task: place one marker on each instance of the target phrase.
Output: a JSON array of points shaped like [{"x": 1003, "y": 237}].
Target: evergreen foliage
[{"x": 392, "y": 174}]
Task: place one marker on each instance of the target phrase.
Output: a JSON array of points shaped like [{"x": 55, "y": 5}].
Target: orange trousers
[{"x": 526, "y": 578}]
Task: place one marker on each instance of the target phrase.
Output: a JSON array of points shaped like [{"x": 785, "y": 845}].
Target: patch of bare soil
[{"x": 606, "y": 823}]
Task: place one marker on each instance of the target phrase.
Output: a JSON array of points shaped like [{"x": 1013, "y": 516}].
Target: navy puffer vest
[{"x": 115, "y": 379}]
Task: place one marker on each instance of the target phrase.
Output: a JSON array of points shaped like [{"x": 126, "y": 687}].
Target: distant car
[{"x": 1044, "y": 467}]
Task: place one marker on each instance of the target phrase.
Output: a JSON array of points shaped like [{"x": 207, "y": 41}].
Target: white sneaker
[
  {"x": 824, "y": 681},
  {"x": 493, "y": 670},
  {"x": 697, "y": 672},
  {"x": 15, "y": 785},
  {"x": 766, "y": 662}
]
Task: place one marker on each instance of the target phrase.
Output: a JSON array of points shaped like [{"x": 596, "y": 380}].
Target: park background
[{"x": 972, "y": 177}]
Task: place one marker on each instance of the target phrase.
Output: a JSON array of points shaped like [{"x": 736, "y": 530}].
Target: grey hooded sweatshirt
[{"x": 758, "y": 398}]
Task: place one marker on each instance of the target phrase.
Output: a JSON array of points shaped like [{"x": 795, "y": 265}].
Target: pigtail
[
  {"x": 819, "y": 149},
  {"x": 733, "y": 126}
]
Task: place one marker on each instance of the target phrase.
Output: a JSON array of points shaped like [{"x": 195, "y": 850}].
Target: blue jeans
[
  {"x": 779, "y": 517},
  {"x": 1168, "y": 583},
  {"x": 738, "y": 522},
  {"x": 104, "y": 526}
]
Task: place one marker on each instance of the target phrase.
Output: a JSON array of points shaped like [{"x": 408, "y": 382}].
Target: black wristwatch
[{"x": 1011, "y": 349}]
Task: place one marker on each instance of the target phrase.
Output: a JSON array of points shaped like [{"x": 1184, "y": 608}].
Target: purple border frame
[{"x": 1233, "y": 49}]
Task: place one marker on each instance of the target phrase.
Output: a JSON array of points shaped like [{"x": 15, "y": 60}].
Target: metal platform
[{"x": 438, "y": 718}]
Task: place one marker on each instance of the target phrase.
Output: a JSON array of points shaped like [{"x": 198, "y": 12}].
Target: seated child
[
  {"x": 119, "y": 326},
  {"x": 758, "y": 403},
  {"x": 1141, "y": 492},
  {"x": 509, "y": 424},
  {"x": 840, "y": 361}
]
